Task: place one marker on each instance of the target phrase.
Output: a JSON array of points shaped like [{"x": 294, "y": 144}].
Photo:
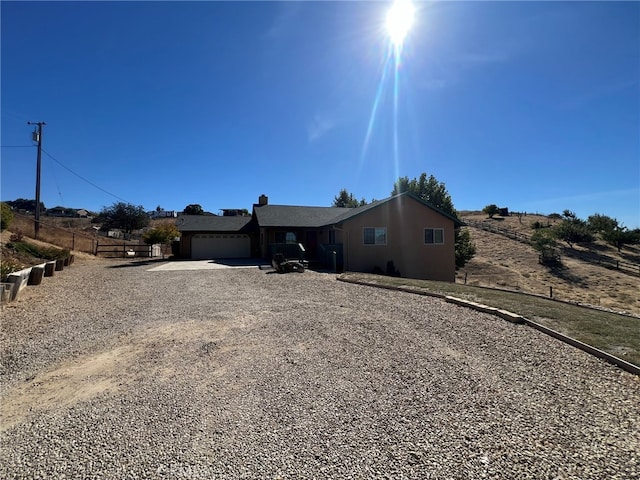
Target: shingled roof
[
  {"x": 286, "y": 216},
  {"x": 205, "y": 223},
  {"x": 296, "y": 216},
  {"x": 352, "y": 212}
]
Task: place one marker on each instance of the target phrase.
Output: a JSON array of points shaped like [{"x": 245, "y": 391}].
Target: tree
[
  {"x": 6, "y": 216},
  {"x": 572, "y": 229},
  {"x": 544, "y": 242},
  {"x": 346, "y": 200},
  {"x": 433, "y": 192},
  {"x": 465, "y": 248},
  {"x": 124, "y": 216},
  {"x": 491, "y": 210},
  {"x": 429, "y": 190},
  {"x": 621, "y": 236},
  {"x": 602, "y": 223},
  {"x": 25, "y": 204},
  {"x": 164, "y": 233},
  {"x": 193, "y": 209}
]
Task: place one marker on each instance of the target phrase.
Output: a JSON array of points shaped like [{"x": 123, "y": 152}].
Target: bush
[
  {"x": 537, "y": 225},
  {"x": 6, "y": 216},
  {"x": 543, "y": 240},
  {"x": 164, "y": 233},
  {"x": 392, "y": 271},
  {"x": 45, "y": 253},
  {"x": 7, "y": 267},
  {"x": 17, "y": 236}
]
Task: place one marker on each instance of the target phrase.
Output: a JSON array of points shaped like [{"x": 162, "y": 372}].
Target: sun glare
[{"x": 399, "y": 21}]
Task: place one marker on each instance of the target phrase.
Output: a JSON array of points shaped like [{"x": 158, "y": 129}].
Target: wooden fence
[{"x": 128, "y": 250}]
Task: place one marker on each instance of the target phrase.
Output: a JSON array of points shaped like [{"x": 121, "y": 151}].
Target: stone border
[
  {"x": 17, "y": 281},
  {"x": 510, "y": 317}
]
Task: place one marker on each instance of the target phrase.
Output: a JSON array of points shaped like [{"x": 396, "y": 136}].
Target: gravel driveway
[{"x": 237, "y": 373}]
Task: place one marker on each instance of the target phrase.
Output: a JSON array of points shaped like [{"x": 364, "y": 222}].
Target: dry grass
[
  {"x": 72, "y": 233},
  {"x": 504, "y": 263}
]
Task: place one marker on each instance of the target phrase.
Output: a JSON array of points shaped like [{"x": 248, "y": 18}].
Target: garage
[{"x": 220, "y": 245}]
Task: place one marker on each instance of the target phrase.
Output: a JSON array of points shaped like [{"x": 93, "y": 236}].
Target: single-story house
[{"x": 417, "y": 238}]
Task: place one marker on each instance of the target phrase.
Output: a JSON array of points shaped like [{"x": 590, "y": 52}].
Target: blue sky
[{"x": 530, "y": 105}]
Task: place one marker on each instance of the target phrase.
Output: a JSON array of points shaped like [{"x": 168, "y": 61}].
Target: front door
[{"x": 312, "y": 245}]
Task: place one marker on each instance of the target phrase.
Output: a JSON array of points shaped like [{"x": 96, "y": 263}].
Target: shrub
[
  {"x": 543, "y": 240},
  {"x": 7, "y": 267},
  {"x": 45, "y": 253},
  {"x": 16, "y": 237},
  {"x": 164, "y": 233},
  {"x": 537, "y": 225},
  {"x": 6, "y": 216},
  {"x": 392, "y": 271}
]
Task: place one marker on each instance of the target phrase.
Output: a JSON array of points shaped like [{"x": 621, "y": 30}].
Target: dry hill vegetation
[{"x": 502, "y": 262}]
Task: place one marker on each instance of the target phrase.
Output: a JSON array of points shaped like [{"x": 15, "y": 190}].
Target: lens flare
[{"x": 399, "y": 21}]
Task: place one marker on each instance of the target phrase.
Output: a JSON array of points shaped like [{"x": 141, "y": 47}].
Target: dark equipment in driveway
[{"x": 282, "y": 265}]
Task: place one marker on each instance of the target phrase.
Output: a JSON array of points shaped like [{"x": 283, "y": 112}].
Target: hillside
[{"x": 502, "y": 262}]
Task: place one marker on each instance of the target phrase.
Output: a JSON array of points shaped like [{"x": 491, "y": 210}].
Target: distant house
[
  {"x": 416, "y": 238},
  {"x": 154, "y": 214},
  {"x": 115, "y": 234},
  {"x": 60, "y": 212}
]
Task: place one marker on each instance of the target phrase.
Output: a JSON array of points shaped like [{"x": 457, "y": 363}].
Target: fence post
[
  {"x": 550, "y": 292},
  {"x": 465, "y": 278},
  {"x": 73, "y": 241}
]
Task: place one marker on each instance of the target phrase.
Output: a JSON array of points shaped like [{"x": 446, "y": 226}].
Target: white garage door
[{"x": 217, "y": 245}]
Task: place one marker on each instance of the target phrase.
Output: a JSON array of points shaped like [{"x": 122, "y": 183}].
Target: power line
[
  {"x": 16, "y": 146},
  {"x": 82, "y": 178}
]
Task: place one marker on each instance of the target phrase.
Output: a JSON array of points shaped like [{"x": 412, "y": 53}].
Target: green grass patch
[{"x": 616, "y": 334}]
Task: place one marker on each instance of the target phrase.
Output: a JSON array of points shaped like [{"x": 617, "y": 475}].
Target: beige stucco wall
[{"x": 405, "y": 219}]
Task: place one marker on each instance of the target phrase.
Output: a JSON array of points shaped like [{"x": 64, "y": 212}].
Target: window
[
  {"x": 286, "y": 237},
  {"x": 434, "y": 236},
  {"x": 375, "y": 235}
]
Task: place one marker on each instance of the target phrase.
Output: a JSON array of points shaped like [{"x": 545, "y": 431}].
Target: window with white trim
[
  {"x": 374, "y": 236},
  {"x": 434, "y": 236}
]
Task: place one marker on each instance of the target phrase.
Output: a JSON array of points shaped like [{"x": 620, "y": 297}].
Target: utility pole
[{"x": 37, "y": 136}]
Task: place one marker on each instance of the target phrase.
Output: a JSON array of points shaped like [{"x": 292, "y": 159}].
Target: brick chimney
[{"x": 263, "y": 200}]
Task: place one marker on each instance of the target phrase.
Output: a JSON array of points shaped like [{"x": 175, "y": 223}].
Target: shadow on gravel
[{"x": 138, "y": 263}]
